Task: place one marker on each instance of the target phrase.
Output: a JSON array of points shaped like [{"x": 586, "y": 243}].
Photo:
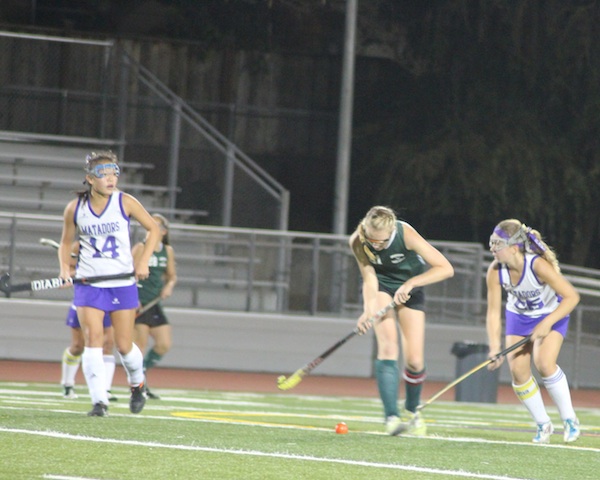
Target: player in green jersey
[
  {"x": 159, "y": 284},
  {"x": 393, "y": 257}
]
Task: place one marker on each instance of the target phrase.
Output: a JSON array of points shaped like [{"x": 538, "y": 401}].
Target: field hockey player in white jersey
[
  {"x": 99, "y": 219},
  {"x": 539, "y": 301}
]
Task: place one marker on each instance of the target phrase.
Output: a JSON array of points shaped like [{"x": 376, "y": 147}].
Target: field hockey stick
[
  {"x": 50, "y": 243},
  {"x": 54, "y": 244},
  {"x": 148, "y": 306},
  {"x": 496, "y": 357},
  {"x": 296, "y": 377},
  {"x": 52, "y": 283}
]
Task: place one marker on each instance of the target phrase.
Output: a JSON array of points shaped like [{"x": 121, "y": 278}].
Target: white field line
[
  {"x": 67, "y": 477},
  {"x": 190, "y": 417},
  {"x": 256, "y": 453}
]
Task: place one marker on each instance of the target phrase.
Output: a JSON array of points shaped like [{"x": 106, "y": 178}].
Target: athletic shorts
[
  {"x": 522, "y": 325},
  {"x": 107, "y": 299},
  {"x": 73, "y": 320},
  {"x": 153, "y": 317},
  {"x": 416, "y": 300}
]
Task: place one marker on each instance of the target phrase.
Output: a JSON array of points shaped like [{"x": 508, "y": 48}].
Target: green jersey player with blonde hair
[{"x": 392, "y": 258}]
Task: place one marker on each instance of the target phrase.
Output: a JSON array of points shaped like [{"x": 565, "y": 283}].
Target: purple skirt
[
  {"x": 106, "y": 299},
  {"x": 523, "y": 325},
  {"x": 73, "y": 320}
]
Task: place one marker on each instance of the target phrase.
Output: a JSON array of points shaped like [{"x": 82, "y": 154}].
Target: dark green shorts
[{"x": 155, "y": 317}]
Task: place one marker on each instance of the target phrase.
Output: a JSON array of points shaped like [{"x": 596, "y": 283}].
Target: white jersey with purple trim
[
  {"x": 105, "y": 245},
  {"x": 529, "y": 297}
]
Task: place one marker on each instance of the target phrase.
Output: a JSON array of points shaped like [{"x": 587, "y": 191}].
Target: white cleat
[
  {"x": 394, "y": 425},
  {"x": 544, "y": 430},
  {"x": 572, "y": 431}
]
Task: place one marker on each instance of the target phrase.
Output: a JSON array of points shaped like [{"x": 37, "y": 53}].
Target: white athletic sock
[
  {"x": 558, "y": 388},
  {"x": 109, "y": 365},
  {"x": 530, "y": 395},
  {"x": 70, "y": 365},
  {"x": 95, "y": 374},
  {"x": 133, "y": 363}
]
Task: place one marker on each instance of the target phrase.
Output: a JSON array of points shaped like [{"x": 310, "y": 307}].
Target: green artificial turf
[{"x": 190, "y": 434}]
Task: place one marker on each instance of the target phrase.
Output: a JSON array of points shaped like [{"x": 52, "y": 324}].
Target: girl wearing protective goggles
[
  {"x": 99, "y": 220},
  {"x": 539, "y": 301},
  {"x": 391, "y": 257}
]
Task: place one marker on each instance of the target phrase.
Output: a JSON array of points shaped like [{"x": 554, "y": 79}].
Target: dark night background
[{"x": 480, "y": 111}]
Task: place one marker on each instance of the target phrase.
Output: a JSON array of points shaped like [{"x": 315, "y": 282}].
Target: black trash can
[{"x": 481, "y": 386}]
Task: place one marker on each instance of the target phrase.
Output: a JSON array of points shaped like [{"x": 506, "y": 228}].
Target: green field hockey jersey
[
  {"x": 151, "y": 287},
  {"x": 395, "y": 264}
]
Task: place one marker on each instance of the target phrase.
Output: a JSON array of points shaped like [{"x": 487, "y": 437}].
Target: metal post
[
  {"x": 122, "y": 105},
  {"x": 342, "y": 177},
  {"x": 13, "y": 248},
  {"x": 103, "y": 110},
  {"x": 229, "y": 171},
  {"x": 174, "y": 155},
  {"x": 577, "y": 347},
  {"x": 284, "y": 259},
  {"x": 314, "y": 277},
  {"x": 250, "y": 277},
  {"x": 340, "y": 211},
  {"x": 228, "y": 187}
]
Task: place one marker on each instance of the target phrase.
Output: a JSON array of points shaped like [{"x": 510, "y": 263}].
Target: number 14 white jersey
[{"x": 105, "y": 245}]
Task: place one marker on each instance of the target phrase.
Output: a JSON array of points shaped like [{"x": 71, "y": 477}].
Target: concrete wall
[{"x": 250, "y": 342}]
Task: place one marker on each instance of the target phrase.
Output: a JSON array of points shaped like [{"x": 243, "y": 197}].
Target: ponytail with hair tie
[{"x": 533, "y": 239}]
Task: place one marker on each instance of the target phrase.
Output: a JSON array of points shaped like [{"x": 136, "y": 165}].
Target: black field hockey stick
[
  {"x": 147, "y": 307},
  {"x": 296, "y": 377},
  {"x": 52, "y": 283},
  {"x": 54, "y": 244},
  {"x": 496, "y": 357}
]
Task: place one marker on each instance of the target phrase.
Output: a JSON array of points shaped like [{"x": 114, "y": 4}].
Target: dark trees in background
[{"x": 466, "y": 112}]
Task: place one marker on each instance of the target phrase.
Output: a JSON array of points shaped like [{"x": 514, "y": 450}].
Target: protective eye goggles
[
  {"x": 103, "y": 169},
  {"x": 378, "y": 243},
  {"x": 496, "y": 243}
]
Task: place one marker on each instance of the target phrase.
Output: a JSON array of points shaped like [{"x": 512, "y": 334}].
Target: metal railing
[
  {"x": 251, "y": 270},
  {"x": 271, "y": 270}
]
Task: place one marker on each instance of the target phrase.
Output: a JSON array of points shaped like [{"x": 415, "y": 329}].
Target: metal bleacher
[{"x": 42, "y": 178}]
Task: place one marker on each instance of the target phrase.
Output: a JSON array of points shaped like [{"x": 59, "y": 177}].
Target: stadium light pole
[{"x": 342, "y": 176}]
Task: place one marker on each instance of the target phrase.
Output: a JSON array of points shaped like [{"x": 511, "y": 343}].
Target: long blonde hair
[
  {"x": 527, "y": 239},
  {"x": 378, "y": 218}
]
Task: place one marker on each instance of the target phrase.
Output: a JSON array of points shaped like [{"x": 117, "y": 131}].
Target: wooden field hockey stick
[
  {"x": 295, "y": 378},
  {"x": 496, "y": 357},
  {"x": 52, "y": 283},
  {"x": 148, "y": 306}
]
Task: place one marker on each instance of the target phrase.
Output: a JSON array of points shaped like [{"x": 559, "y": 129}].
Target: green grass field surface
[{"x": 194, "y": 434}]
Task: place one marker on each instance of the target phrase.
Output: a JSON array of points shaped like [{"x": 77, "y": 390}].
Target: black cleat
[
  {"x": 138, "y": 398},
  {"x": 152, "y": 396},
  {"x": 111, "y": 397},
  {"x": 69, "y": 393},
  {"x": 99, "y": 410}
]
